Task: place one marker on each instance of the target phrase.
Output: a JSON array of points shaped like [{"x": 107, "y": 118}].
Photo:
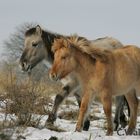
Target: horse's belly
[
  {"x": 125, "y": 82},
  {"x": 124, "y": 87},
  {"x": 121, "y": 92}
]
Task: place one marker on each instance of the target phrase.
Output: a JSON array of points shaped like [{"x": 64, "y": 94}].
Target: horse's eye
[{"x": 34, "y": 44}]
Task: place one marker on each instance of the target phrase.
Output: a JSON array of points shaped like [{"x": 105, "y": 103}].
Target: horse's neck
[{"x": 84, "y": 64}]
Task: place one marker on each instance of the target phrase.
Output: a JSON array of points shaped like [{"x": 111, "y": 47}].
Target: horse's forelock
[{"x": 56, "y": 45}]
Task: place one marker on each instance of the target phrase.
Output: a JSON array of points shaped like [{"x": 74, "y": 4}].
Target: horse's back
[
  {"x": 131, "y": 52},
  {"x": 107, "y": 42},
  {"x": 126, "y": 64}
]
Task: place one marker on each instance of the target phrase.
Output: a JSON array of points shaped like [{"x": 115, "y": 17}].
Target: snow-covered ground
[{"x": 96, "y": 131}]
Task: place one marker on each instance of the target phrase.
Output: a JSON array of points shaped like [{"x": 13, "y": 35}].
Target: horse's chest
[{"x": 66, "y": 80}]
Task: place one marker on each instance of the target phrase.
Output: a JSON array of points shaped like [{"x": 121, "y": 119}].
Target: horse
[
  {"x": 102, "y": 72},
  {"x": 120, "y": 117},
  {"x": 37, "y": 47}
]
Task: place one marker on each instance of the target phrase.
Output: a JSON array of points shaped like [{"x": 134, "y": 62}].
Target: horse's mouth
[
  {"x": 26, "y": 68},
  {"x": 29, "y": 68}
]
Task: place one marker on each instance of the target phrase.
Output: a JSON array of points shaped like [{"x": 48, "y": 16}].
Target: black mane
[
  {"x": 48, "y": 39},
  {"x": 30, "y": 31}
]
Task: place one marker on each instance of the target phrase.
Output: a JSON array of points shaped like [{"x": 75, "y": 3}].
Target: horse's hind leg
[
  {"x": 133, "y": 104},
  {"x": 123, "y": 119},
  {"x": 119, "y": 114},
  {"x": 58, "y": 100}
]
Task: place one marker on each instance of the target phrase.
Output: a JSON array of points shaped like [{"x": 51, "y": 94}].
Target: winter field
[
  {"x": 27, "y": 94},
  {"x": 64, "y": 126}
]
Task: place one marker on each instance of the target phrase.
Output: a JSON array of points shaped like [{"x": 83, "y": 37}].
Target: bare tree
[
  {"x": 13, "y": 48},
  {"x": 14, "y": 45}
]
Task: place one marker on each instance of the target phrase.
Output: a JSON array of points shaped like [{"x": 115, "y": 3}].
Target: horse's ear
[{"x": 38, "y": 30}]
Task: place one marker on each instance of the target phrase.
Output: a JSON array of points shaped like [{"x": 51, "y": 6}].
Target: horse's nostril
[
  {"x": 53, "y": 76},
  {"x": 23, "y": 64}
]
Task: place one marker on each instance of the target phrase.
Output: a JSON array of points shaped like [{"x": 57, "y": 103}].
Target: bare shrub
[
  {"x": 24, "y": 98},
  {"x": 14, "y": 44}
]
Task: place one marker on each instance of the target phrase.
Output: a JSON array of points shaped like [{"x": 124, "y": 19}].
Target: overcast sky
[{"x": 89, "y": 18}]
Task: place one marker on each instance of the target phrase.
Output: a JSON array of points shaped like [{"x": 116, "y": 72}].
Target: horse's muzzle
[
  {"x": 25, "y": 67},
  {"x": 53, "y": 76}
]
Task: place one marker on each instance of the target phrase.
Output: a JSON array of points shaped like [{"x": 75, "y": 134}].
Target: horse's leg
[
  {"x": 106, "y": 100},
  {"x": 58, "y": 100},
  {"x": 133, "y": 104},
  {"x": 87, "y": 121},
  {"x": 123, "y": 119},
  {"x": 128, "y": 104},
  {"x": 119, "y": 114},
  {"x": 86, "y": 99}
]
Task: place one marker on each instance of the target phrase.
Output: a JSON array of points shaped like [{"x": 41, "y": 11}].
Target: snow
[{"x": 96, "y": 131}]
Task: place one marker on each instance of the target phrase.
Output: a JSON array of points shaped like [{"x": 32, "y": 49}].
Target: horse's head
[
  {"x": 34, "y": 49},
  {"x": 64, "y": 62}
]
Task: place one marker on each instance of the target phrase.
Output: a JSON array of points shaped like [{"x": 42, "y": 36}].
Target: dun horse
[
  {"x": 37, "y": 47},
  {"x": 101, "y": 72}
]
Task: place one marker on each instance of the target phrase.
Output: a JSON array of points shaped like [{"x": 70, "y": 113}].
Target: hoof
[
  {"x": 78, "y": 129},
  {"x": 123, "y": 121},
  {"x": 86, "y": 125},
  {"x": 47, "y": 123},
  {"x": 124, "y": 124},
  {"x": 53, "y": 138},
  {"x": 109, "y": 132},
  {"x": 129, "y": 131},
  {"x": 116, "y": 126},
  {"x": 51, "y": 119}
]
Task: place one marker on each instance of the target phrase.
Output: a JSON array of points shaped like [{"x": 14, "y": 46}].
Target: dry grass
[
  {"x": 24, "y": 97},
  {"x": 28, "y": 100}
]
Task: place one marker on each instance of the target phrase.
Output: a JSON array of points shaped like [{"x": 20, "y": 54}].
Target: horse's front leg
[
  {"x": 87, "y": 120},
  {"x": 86, "y": 99},
  {"x": 133, "y": 104},
  {"x": 106, "y": 99},
  {"x": 58, "y": 100}
]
